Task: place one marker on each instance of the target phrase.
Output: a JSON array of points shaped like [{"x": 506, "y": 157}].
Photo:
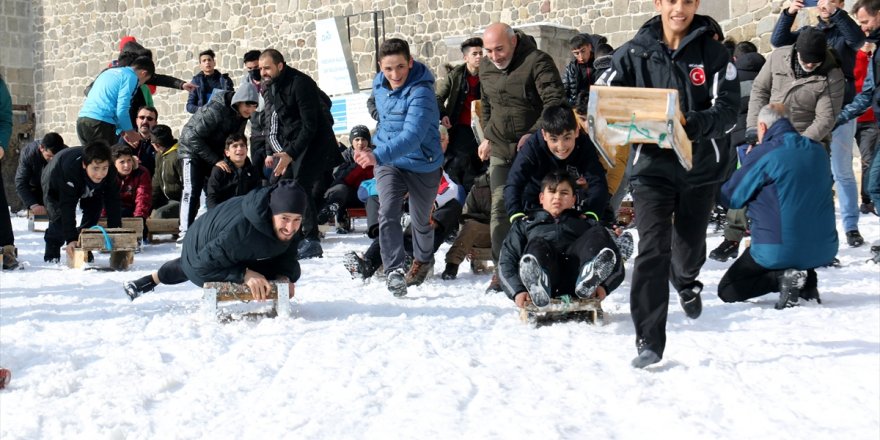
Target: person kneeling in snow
[
  {"x": 558, "y": 251},
  {"x": 247, "y": 239},
  {"x": 786, "y": 183}
]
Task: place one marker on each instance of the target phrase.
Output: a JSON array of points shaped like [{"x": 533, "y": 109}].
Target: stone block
[{"x": 766, "y": 25}]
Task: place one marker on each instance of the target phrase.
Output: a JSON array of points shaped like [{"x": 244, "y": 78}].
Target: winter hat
[
  {"x": 126, "y": 39},
  {"x": 811, "y": 45},
  {"x": 246, "y": 94},
  {"x": 287, "y": 196},
  {"x": 161, "y": 134},
  {"x": 359, "y": 131}
]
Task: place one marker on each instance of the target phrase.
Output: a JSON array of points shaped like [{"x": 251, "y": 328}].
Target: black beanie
[
  {"x": 287, "y": 196},
  {"x": 811, "y": 45},
  {"x": 359, "y": 131},
  {"x": 161, "y": 134}
]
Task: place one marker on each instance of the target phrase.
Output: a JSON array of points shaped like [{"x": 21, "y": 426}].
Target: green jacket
[
  {"x": 513, "y": 99},
  {"x": 168, "y": 178},
  {"x": 450, "y": 93}
]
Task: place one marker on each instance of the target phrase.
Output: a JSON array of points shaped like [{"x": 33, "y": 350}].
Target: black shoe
[
  {"x": 309, "y": 248},
  {"x": 875, "y": 253},
  {"x": 809, "y": 294},
  {"x": 624, "y": 244},
  {"x": 790, "y": 285},
  {"x": 141, "y": 285},
  {"x": 535, "y": 279},
  {"x": 691, "y": 303},
  {"x": 726, "y": 250},
  {"x": 395, "y": 281},
  {"x": 594, "y": 272},
  {"x": 343, "y": 223},
  {"x": 327, "y": 212},
  {"x": 866, "y": 208},
  {"x": 90, "y": 258},
  {"x": 357, "y": 266},
  {"x": 646, "y": 357},
  {"x": 450, "y": 272},
  {"x": 854, "y": 239}
]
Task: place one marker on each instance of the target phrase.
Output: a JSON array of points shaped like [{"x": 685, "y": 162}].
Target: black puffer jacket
[
  {"x": 535, "y": 161},
  {"x": 577, "y": 79},
  {"x": 27, "y": 176},
  {"x": 747, "y": 67},
  {"x": 204, "y": 135},
  {"x": 237, "y": 235},
  {"x": 223, "y": 186},
  {"x": 701, "y": 71}
]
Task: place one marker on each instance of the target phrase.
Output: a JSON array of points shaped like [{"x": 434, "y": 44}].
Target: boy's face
[
  {"x": 361, "y": 144},
  {"x": 124, "y": 165},
  {"x": 237, "y": 152},
  {"x": 97, "y": 170},
  {"x": 677, "y": 15},
  {"x": 395, "y": 68},
  {"x": 582, "y": 54},
  {"x": 286, "y": 224},
  {"x": 556, "y": 200},
  {"x": 247, "y": 109},
  {"x": 46, "y": 153},
  {"x": 561, "y": 145},
  {"x": 206, "y": 63},
  {"x": 472, "y": 57}
]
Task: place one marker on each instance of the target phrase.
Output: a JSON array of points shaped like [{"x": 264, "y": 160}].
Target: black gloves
[{"x": 751, "y": 136}]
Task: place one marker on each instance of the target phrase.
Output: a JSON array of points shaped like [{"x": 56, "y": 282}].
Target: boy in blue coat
[
  {"x": 104, "y": 114},
  {"x": 786, "y": 183}
]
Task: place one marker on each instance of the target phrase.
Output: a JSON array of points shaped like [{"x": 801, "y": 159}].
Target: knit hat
[
  {"x": 359, "y": 131},
  {"x": 811, "y": 45},
  {"x": 287, "y": 196},
  {"x": 161, "y": 134}
]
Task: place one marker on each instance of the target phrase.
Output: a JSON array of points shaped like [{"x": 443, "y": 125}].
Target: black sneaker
[
  {"x": 395, "y": 281},
  {"x": 690, "y": 300},
  {"x": 790, "y": 285},
  {"x": 535, "y": 279},
  {"x": 866, "y": 208},
  {"x": 594, "y": 272},
  {"x": 450, "y": 272},
  {"x": 624, "y": 244},
  {"x": 327, "y": 212},
  {"x": 854, "y": 239},
  {"x": 357, "y": 266},
  {"x": 726, "y": 250},
  {"x": 139, "y": 286},
  {"x": 309, "y": 249},
  {"x": 646, "y": 357}
]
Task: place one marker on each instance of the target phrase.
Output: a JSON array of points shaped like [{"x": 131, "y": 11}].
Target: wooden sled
[
  {"x": 618, "y": 116},
  {"x": 564, "y": 309},
  {"x": 228, "y": 301},
  {"x": 135, "y": 223},
  {"x": 163, "y": 226},
  {"x": 122, "y": 244},
  {"x": 37, "y": 223}
]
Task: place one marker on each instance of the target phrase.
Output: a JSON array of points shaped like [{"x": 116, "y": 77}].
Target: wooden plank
[
  {"x": 560, "y": 310},
  {"x": 227, "y": 291},
  {"x": 135, "y": 223},
  {"x": 79, "y": 259},
  {"x": 120, "y": 239},
  {"x": 163, "y": 225}
]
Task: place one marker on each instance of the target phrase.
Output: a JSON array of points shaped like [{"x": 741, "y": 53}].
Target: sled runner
[
  {"x": 618, "y": 116},
  {"x": 120, "y": 242},
  {"x": 227, "y": 301},
  {"x": 564, "y": 309}
]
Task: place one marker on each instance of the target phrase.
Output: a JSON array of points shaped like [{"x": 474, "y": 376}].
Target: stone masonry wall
[
  {"x": 16, "y": 49},
  {"x": 75, "y": 39}
]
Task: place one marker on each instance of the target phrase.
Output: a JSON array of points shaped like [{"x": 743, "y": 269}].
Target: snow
[{"x": 447, "y": 361}]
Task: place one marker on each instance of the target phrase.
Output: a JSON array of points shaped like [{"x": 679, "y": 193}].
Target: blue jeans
[
  {"x": 842, "y": 169},
  {"x": 874, "y": 181}
]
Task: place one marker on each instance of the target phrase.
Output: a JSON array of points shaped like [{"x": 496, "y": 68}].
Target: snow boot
[
  {"x": 646, "y": 357},
  {"x": 326, "y": 212},
  {"x": 419, "y": 272},
  {"x": 396, "y": 282},
  {"x": 854, "y": 238},
  {"x": 726, "y": 250},
  {"x": 139, "y": 286},
  {"x": 690, "y": 300},
  {"x": 535, "y": 279},
  {"x": 358, "y": 266},
  {"x": 10, "y": 257},
  {"x": 594, "y": 272},
  {"x": 309, "y": 248},
  {"x": 790, "y": 285},
  {"x": 450, "y": 272}
]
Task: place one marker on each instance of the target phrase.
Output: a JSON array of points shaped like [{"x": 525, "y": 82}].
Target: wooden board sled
[
  {"x": 563, "y": 310},
  {"x": 227, "y": 301},
  {"x": 122, "y": 244},
  {"x": 618, "y": 116},
  {"x": 163, "y": 226}
]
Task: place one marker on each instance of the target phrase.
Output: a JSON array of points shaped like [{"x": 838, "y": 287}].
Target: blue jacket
[
  {"x": 110, "y": 98},
  {"x": 205, "y": 86},
  {"x": 5, "y": 115},
  {"x": 786, "y": 183},
  {"x": 408, "y": 135}
]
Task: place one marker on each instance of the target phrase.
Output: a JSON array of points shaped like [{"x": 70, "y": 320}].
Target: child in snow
[
  {"x": 241, "y": 178},
  {"x": 135, "y": 185},
  {"x": 347, "y": 179}
]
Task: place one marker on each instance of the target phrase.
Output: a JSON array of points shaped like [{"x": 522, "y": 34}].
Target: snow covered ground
[{"x": 445, "y": 362}]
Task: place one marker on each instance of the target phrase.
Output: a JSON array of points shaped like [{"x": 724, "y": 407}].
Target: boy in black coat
[
  {"x": 81, "y": 175},
  {"x": 559, "y": 145},
  {"x": 239, "y": 180},
  {"x": 33, "y": 159},
  {"x": 248, "y": 240},
  {"x": 558, "y": 251}
]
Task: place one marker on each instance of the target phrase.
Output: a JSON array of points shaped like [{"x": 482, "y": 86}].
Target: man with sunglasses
[{"x": 147, "y": 118}]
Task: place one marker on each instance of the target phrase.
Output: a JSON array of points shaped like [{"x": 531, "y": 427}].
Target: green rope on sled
[{"x": 632, "y": 127}]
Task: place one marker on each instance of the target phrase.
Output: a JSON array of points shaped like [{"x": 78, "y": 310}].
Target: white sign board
[
  {"x": 351, "y": 110},
  {"x": 336, "y": 75}
]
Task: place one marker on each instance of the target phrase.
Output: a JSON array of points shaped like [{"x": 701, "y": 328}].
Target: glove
[
  {"x": 693, "y": 127},
  {"x": 751, "y": 136}
]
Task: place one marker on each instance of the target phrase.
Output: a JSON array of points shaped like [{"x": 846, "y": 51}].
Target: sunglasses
[{"x": 147, "y": 118}]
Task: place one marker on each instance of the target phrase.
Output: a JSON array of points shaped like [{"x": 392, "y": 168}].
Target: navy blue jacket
[
  {"x": 534, "y": 161},
  {"x": 786, "y": 183},
  {"x": 27, "y": 176},
  {"x": 206, "y": 85}
]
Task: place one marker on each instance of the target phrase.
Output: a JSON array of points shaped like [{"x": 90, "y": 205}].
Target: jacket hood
[
  {"x": 255, "y": 207},
  {"x": 245, "y": 94},
  {"x": 525, "y": 44},
  {"x": 603, "y": 62},
  {"x": 751, "y": 62}
]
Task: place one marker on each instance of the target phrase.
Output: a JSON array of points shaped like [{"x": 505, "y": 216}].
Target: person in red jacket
[
  {"x": 343, "y": 192},
  {"x": 135, "y": 185},
  {"x": 867, "y": 133}
]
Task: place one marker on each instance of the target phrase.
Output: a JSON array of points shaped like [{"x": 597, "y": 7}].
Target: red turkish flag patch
[{"x": 698, "y": 76}]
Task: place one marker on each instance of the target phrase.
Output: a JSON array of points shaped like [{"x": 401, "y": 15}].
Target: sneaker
[
  {"x": 691, "y": 303},
  {"x": 396, "y": 282},
  {"x": 594, "y": 272},
  {"x": 646, "y": 357},
  {"x": 343, "y": 222},
  {"x": 624, "y": 244},
  {"x": 726, "y": 250},
  {"x": 10, "y": 257},
  {"x": 326, "y": 212},
  {"x": 357, "y": 266},
  {"x": 790, "y": 285},
  {"x": 854, "y": 239},
  {"x": 535, "y": 279},
  {"x": 450, "y": 272},
  {"x": 494, "y": 284},
  {"x": 309, "y": 248},
  {"x": 419, "y": 272},
  {"x": 875, "y": 252},
  {"x": 866, "y": 208},
  {"x": 139, "y": 286}
]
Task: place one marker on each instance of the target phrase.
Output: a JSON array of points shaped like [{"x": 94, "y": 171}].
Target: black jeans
[
  {"x": 746, "y": 279},
  {"x": 6, "y": 237}
]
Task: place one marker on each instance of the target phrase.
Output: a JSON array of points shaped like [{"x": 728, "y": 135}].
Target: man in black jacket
[
  {"x": 300, "y": 135},
  {"x": 675, "y": 50},
  {"x": 248, "y": 240},
  {"x": 81, "y": 175},
  {"x": 203, "y": 139},
  {"x": 33, "y": 159}
]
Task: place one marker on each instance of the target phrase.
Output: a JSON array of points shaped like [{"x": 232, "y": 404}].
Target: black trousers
[
  {"x": 746, "y": 279},
  {"x": 6, "y": 237},
  {"x": 672, "y": 248},
  {"x": 462, "y": 162},
  {"x": 562, "y": 268},
  {"x": 54, "y": 237},
  {"x": 172, "y": 271}
]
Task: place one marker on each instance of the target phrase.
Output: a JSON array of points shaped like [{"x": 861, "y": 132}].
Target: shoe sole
[
  {"x": 789, "y": 291},
  {"x": 350, "y": 261},
  {"x": 595, "y": 272},
  {"x": 130, "y": 291},
  {"x": 396, "y": 286},
  {"x": 535, "y": 280}
]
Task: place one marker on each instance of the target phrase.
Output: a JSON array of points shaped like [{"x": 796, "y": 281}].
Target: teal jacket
[
  {"x": 110, "y": 98},
  {"x": 5, "y": 115}
]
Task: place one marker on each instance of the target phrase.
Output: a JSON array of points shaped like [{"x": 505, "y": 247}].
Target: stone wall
[
  {"x": 75, "y": 39},
  {"x": 16, "y": 49}
]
